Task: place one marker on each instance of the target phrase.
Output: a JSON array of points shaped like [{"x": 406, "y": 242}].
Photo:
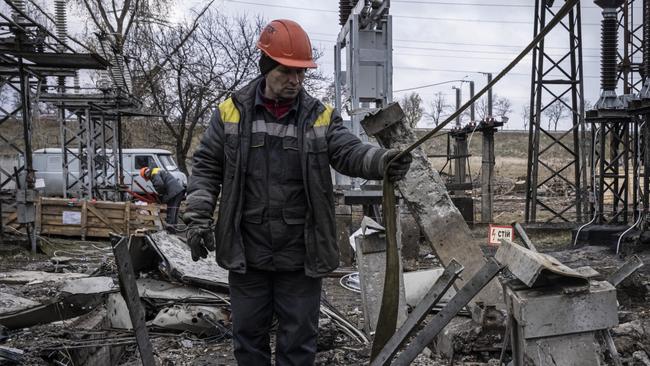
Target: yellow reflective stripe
[
  {"x": 229, "y": 113},
  {"x": 325, "y": 117},
  {"x": 155, "y": 171}
]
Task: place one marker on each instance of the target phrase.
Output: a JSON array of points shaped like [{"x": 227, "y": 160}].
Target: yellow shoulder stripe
[
  {"x": 325, "y": 117},
  {"x": 228, "y": 111}
]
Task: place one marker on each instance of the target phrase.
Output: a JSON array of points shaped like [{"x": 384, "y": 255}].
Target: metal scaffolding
[
  {"x": 29, "y": 54},
  {"x": 556, "y": 79}
]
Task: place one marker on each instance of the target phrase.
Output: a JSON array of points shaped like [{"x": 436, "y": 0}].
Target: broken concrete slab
[
  {"x": 418, "y": 283},
  {"x": 30, "y": 277},
  {"x": 178, "y": 264},
  {"x": 426, "y": 196},
  {"x": 69, "y": 307},
  {"x": 533, "y": 268},
  {"x": 117, "y": 312},
  {"x": 89, "y": 285},
  {"x": 10, "y": 303},
  {"x": 576, "y": 349},
  {"x": 78, "y": 296},
  {"x": 162, "y": 290},
  {"x": 199, "y": 320},
  {"x": 11, "y": 355}
]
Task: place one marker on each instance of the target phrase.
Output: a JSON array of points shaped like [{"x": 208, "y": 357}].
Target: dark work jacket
[
  {"x": 166, "y": 185},
  {"x": 219, "y": 166}
]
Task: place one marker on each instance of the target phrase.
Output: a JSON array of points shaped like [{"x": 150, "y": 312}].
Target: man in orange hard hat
[
  {"x": 268, "y": 151},
  {"x": 170, "y": 192}
]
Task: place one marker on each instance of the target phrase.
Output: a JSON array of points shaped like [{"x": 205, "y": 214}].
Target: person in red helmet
[
  {"x": 268, "y": 151},
  {"x": 170, "y": 192}
]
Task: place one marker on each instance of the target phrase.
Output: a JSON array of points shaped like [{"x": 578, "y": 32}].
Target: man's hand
[
  {"x": 398, "y": 168},
  {"x": 200, "y": 234}
]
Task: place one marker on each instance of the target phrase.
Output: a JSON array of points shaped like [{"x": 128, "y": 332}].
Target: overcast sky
[{"x": 440, "y": 40}]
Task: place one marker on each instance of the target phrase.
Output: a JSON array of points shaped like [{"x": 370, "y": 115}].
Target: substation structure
[
  {"x": 619, "y": 194},
  {"x": 39, "y": 67}
]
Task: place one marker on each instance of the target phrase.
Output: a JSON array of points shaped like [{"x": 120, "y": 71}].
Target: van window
[
  {"x": 168, "y": 162},
  {"x": 142, "y": 161}
]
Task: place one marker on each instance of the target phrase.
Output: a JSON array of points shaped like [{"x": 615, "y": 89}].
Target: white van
[{"x": 48, "y": 166}]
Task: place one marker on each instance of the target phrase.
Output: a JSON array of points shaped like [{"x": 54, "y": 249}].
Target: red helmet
[
  {"x": 143, "y": 172},
  {"x": 287, "y": 43}
]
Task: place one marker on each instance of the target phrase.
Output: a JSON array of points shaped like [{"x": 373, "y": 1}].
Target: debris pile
[{"x": 72, "y": 318}]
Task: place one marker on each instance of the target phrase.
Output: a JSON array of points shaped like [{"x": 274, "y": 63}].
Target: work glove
[
  {"x": 200, "y": 234},
  {"x": 398, "y": 168}
]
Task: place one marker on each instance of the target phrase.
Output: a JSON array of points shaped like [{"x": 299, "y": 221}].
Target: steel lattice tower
[{"x": 556, "y": 79}]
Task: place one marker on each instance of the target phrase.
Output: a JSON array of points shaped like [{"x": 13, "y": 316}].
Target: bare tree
[
  {"x": 119, "y": 18},
  {"x": 555, "y": 112},
  {"x": 502, "y": 107},
  {"x": 481, "y": 108},
  {"x": 438, "y": 107},
  {"x": 525, "y": 115},
  {"x": 183, "y": 72},
  {"x": 412, "y": 106}
]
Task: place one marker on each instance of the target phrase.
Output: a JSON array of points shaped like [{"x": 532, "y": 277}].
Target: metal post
[
  {"x": 487, "y": 174},
  {"x": 472, "y": 109},
  {"x": 489, "y": 94},
  {"x": 458, "y": 103}
]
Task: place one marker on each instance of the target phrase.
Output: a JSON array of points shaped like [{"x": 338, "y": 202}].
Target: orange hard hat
[
  {"x": 287, "y": 43},
  {"x": 143, "y": 172}
]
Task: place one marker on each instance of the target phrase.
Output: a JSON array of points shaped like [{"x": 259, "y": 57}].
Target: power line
[
  {"x": 430, "y": 85},
  {"x": 476, "y": 4},
  {"x": 465, "y": 43},
  {"x": 460, "y": 51},
  {"x": 399, "y": 16}
]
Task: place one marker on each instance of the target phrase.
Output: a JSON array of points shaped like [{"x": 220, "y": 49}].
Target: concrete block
[
  {"x": 576, "y": 350},
  {"x": 553, "y": 311}
]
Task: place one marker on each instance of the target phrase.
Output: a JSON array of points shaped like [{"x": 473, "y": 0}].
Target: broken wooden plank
[{"x": 129, "y": 290}]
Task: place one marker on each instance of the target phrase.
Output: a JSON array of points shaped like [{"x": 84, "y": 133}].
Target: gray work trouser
[{"x": 293, "y": 297}]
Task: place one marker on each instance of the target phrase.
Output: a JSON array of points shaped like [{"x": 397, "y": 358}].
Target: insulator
[
  {"x": 20, "y": 5},
  {"x": 60, "y": 17},
  {"x": 76, "y": 84},
  {"x": 345, "y": 9},
  {"x": 609, "y": 46}
]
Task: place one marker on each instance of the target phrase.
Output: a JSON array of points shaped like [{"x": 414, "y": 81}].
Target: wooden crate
[{"x": 82, "y": 218}]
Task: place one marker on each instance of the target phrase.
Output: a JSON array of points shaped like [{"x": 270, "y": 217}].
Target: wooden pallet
[{"x": 89, "y": 218}]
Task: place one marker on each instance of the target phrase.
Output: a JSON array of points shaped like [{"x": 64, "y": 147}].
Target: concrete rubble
[{"x": 81, "y": 318}]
